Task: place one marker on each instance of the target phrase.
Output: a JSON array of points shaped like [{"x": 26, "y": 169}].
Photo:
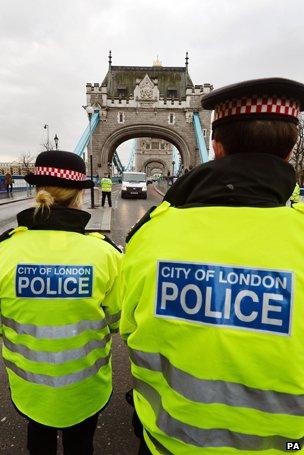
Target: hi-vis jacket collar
[
  {"x": 58, "y": 219},
  {"x": 270, "y": 98}
]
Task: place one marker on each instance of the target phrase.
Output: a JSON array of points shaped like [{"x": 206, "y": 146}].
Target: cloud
[{"x": 50, "y": 49}]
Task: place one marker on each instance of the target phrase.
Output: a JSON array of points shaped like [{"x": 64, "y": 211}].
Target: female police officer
[{"x": 59, "y": 303}]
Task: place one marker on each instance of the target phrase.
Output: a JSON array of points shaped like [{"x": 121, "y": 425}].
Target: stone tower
[{"x": 147, "y": 101}]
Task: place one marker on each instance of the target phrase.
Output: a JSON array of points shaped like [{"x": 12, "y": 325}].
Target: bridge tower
[
  {"x": 153, "y": 154},
  {"x": 147, "y": 101}
]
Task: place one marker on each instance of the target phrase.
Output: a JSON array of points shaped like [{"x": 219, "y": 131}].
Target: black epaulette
[
  {"x": 140, "y": 223},
  {"x": 103, "y": 237},
  {"x": 6, "y": 235},
  {"x": 110, "y": 241}
]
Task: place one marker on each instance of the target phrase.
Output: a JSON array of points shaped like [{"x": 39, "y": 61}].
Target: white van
[{"x": 134, "y": 184}]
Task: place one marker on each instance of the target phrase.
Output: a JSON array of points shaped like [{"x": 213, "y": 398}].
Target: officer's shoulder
[
  {"x": 101, "y": 236},
  {"x": 139, "y": 223},
  {"x": 6, "y": 234},
  {"x": 151, "y": 213}
]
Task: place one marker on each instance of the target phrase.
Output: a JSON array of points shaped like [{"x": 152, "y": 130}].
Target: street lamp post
[
  {"x": 173, "y": 163},
  {"x": 47, "y": 128},
  {"x": 56, "y": 140},
  {"x": 90, "y": 112}
]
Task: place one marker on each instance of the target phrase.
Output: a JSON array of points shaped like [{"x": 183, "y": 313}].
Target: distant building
[{"x": 16, "y": 168}]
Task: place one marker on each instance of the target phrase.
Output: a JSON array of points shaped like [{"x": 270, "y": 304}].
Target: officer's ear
[{"x": 218, "y": 148}]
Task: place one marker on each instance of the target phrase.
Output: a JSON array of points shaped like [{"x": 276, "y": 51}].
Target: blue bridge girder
[
  {"x": 85, "y": 138},
  {"x": 200, "y": 140}
]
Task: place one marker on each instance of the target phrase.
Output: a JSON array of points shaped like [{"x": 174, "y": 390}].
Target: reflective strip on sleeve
[
  {"x": 58, "y": 381},
  {"x": 216, "y": 391},
  {"x": 112, "y": 318},
  {"x": 56, "y": 357},
  {"x": 201, "y": 437},
  {"x": 54, "y": 331}
]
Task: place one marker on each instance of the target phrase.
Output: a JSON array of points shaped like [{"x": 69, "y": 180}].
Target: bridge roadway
[{"x": 114, "y": 435}]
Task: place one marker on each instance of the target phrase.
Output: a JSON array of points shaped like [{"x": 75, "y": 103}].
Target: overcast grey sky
[{"x": 50, "y": 49}]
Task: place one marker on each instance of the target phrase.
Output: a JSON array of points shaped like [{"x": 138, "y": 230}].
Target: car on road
[{"x": 134, "y": 184}]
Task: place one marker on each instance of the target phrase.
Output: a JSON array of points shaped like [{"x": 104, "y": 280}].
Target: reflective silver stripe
[
  {"x": 54, "y": 331},
  {"x": 225, "y": 392},
  {"x": 201, "y": 437},
  {"x": 112, "y": 318},
  {"x": 56, "y": 357},
  {"x": 58, "y": 381}
]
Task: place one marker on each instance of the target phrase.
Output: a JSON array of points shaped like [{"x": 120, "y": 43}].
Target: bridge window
[
  {"x": 122, "y": 92},
  {"x": 121, "y": 117},
  {"x": 155, "y": 145},
  {"x": 204, "y": 132},
  {"x": 171, "y": 119},
  {"x": 162, "y": 146},
  {"x": 172, "y": 93},
  {"x": 148, "y": 147}
]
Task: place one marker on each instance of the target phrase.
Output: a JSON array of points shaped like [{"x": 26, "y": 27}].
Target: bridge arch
[
  {"x": 154, "y": 161},
  {"x": 125, "y": 133}
]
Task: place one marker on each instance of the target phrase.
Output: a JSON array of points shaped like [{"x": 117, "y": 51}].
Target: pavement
[{"x": 17, "y": 196}]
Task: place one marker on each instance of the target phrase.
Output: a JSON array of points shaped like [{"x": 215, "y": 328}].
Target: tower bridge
[
  {"x": 153, "y": 153},
  {"x": 148, "y": 101}
]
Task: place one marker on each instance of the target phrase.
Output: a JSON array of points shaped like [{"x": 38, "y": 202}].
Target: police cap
[
  {"x": 59, "y": 168},
  {"x": 257, "y": 99}
]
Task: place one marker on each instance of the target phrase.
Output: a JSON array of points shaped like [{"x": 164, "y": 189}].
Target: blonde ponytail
[{"x": 48, "y": 196}]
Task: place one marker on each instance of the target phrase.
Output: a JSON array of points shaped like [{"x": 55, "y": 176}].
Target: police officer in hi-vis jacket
[
  {"x": 214, "y": 289},
  {"x": 59, "y": 303}
]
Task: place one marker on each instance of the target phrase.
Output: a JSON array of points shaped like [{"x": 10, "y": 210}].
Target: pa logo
[{"x": 293, "y": 446}]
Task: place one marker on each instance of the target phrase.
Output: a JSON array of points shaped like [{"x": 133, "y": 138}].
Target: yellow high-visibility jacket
[
  {"x": 295, "y": 197},
  {"x": 59, "y": 302},
  {"x": 106, "y": 185},
  {"x": 215, "y": 331}
]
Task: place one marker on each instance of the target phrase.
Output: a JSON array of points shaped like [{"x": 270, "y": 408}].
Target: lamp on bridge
[
  {"x": 173, "y": 163},
  {"x": 90, "y": 111},
  {"x": 56, "y": 140}
]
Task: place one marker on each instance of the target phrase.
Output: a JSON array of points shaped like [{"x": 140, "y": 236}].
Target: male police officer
[
  {"x": 106, "y": 188},
  {"x": 214, "y": 288}
]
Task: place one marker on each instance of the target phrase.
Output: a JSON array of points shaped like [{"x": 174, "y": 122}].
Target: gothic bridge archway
[
  {"x": 143, "y": 130},
  {"x": 155, "y": 163},
  {"x": 146, "y": 101}
]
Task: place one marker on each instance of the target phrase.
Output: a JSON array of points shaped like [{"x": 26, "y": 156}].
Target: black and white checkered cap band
[
  {"x": 257, "y": 105},
  {"x": 61, "y": 173}
]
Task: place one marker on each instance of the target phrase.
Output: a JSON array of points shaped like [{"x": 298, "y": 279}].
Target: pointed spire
[
  {"x": 110, "y": 59},
  {"x": 157, "y": 62},
  {"x": 187, "y": 59}
]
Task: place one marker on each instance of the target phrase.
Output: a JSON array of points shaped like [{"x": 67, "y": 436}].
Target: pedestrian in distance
[
  {"x": 59, "y": 304},
  {"x": 106, "y": 189},
  {"x": 214, "y": 289},
  {"x": 8, "y": 181}
]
